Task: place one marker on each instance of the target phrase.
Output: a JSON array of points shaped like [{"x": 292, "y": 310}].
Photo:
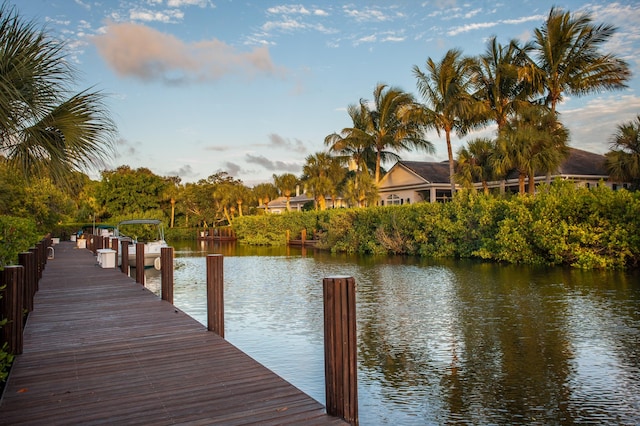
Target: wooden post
[
  {"x": 340, "y": 349},
  {"x": 114, "y": 246},
  {"x": 124, "y": 258},
  {"x": 38, "y": 266},
  {"x": 140, "y": 263},
  {"x": 42, "y": 256},
  {"x": 287, "y": 236},
  {"x": 27, "y": 261},
  {"x": 12, "y": 303},
  {"x": 166, "y": 274},
  {"x": 303, "y": 236},
  {"x": 215, "y": 294}
]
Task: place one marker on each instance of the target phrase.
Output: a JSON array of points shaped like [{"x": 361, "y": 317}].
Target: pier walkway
[{"x": 101, "y": 349}]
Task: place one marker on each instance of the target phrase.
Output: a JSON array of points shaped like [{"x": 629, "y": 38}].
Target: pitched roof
[
  {"x": 578, "y": 163},
  {"x": 431, "y": 172},
  {"x": 582, "y": 162}
]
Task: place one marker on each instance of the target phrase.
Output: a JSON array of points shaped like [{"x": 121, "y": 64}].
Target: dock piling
[
  {"x": 215, "y": 294},
  {"x": 340, "y": 348}
]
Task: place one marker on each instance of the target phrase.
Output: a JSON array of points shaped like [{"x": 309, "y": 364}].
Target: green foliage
[
  {"x": 561, "y": 225},
  {"x": 37, "y": 198},
  {"x": 126, "y": 193},
  {"x": 5, "y": 360},
  {"x": 17, "y": 234},
  {"x": 180, "y": 234}
]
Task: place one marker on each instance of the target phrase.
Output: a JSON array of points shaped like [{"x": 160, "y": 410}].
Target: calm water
[{"x": 439, "y": 342}]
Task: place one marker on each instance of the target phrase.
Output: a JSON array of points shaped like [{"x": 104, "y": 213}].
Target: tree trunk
[
  {"x": 532, "y": 184},
  {"x": 451, "y": 166},
  {"x": 173, "y": 211}
]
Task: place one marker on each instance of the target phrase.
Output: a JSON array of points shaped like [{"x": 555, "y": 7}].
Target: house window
[{"x": 393, "y": 199}]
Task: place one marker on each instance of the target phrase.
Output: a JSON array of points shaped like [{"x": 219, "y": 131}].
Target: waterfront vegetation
[{"x": 561, "y": 225}]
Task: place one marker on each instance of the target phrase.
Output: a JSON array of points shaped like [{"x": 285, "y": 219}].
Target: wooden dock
[{"x": 101, "y": 349}]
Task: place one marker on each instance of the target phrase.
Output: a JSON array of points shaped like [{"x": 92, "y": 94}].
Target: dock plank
[{"x": 101, "y": 349}]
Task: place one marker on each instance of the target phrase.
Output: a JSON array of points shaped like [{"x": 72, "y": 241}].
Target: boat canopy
[{"x": 156, "y": 222}]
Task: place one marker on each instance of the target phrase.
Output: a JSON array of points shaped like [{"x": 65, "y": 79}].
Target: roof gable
[
  {"x": 400, "y": 175},
  {"x": 583, "y": 163}
]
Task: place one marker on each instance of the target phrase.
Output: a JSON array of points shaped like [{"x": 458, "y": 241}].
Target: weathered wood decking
[{"x": 100, "y": 349}]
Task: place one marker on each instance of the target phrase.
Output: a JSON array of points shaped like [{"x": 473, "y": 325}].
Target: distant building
[
  {"x": 279, "y": 205},
  {"x": 416, "y": 181}
]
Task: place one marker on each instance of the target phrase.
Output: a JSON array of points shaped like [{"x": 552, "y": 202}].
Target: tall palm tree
[
  {"x": 286, "y": 184},
  {"x": 474, "y": 163},
  {"x": 172, "y": 192},
  {"x": 623, "y": 161},
  {"x": 385, "y": 127},
  {"x": 353, "y": 143},
  {"x": 446, "y": 88},
  {"x": 569, "y": 58},
  {"x": 496, "y": 74},
  {"x": 44, "y": 128}
]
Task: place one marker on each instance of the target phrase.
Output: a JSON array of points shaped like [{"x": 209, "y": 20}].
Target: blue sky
[{"x": 253, "y": 87}]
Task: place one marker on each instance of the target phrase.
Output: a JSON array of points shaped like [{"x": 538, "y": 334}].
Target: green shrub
[
  {"x": 560, "y": 225},
  {"x": 16, "y": 235}
]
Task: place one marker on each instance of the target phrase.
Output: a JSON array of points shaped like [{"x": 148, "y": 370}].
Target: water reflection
[{"x": 439, "y": 342}]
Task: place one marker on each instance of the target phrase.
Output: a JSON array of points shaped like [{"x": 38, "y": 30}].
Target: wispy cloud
[
  {"x": 273, "y": 166},
  {"x": 180, "y": 3},
  {"x": 146, "y": 15},
  {"x": 277, "y": 141},
  {"x": 482, "y": 25},
  {"x": 135, "y": 50},
  {"x": 370, "y": 14}
]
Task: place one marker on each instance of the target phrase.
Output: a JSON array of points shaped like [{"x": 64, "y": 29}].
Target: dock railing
[{"x": 20, "y": 286}]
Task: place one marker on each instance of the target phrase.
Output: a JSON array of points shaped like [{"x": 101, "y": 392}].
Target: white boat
[{"x": 152, "y": 249}]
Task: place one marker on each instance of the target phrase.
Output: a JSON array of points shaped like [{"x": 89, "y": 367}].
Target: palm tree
[
  {"x": 623, "y": 161},
  {"x": 318, "y": 177},
  {"x": 265, "y": 192},
  {"x": 172, "y": 191},
  {"x": 286, "y": 184},
  {"x": 533, "y": 141},
  {"x": 496, "y": 75},
  {"x": 353, "y": 143},
  {"x": 360, "y": 190},
  {"x": 386, "y": 128},
  {"x": 474, "y": 163},
  {"x": 446, "y": 87},
  {"x": 44, "y": 129},
  {"x": 569, "y": 58}
]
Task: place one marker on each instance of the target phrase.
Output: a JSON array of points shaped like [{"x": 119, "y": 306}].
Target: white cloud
[
  {"x": 165, "y": 16},
  {"x": 180, "y": 3},
  {"x": 289, "y": 10}
]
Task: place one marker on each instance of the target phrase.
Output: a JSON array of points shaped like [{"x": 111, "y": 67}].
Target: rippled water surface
[{"x": 438, "y": 342}]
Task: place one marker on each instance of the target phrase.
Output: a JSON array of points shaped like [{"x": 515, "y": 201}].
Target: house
[
  {"x": 416, "y": 181},
  {"x": 279, "y": 205}
]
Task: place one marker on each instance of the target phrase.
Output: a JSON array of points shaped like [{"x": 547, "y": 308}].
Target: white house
[{"x": 416, "y": 181}]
